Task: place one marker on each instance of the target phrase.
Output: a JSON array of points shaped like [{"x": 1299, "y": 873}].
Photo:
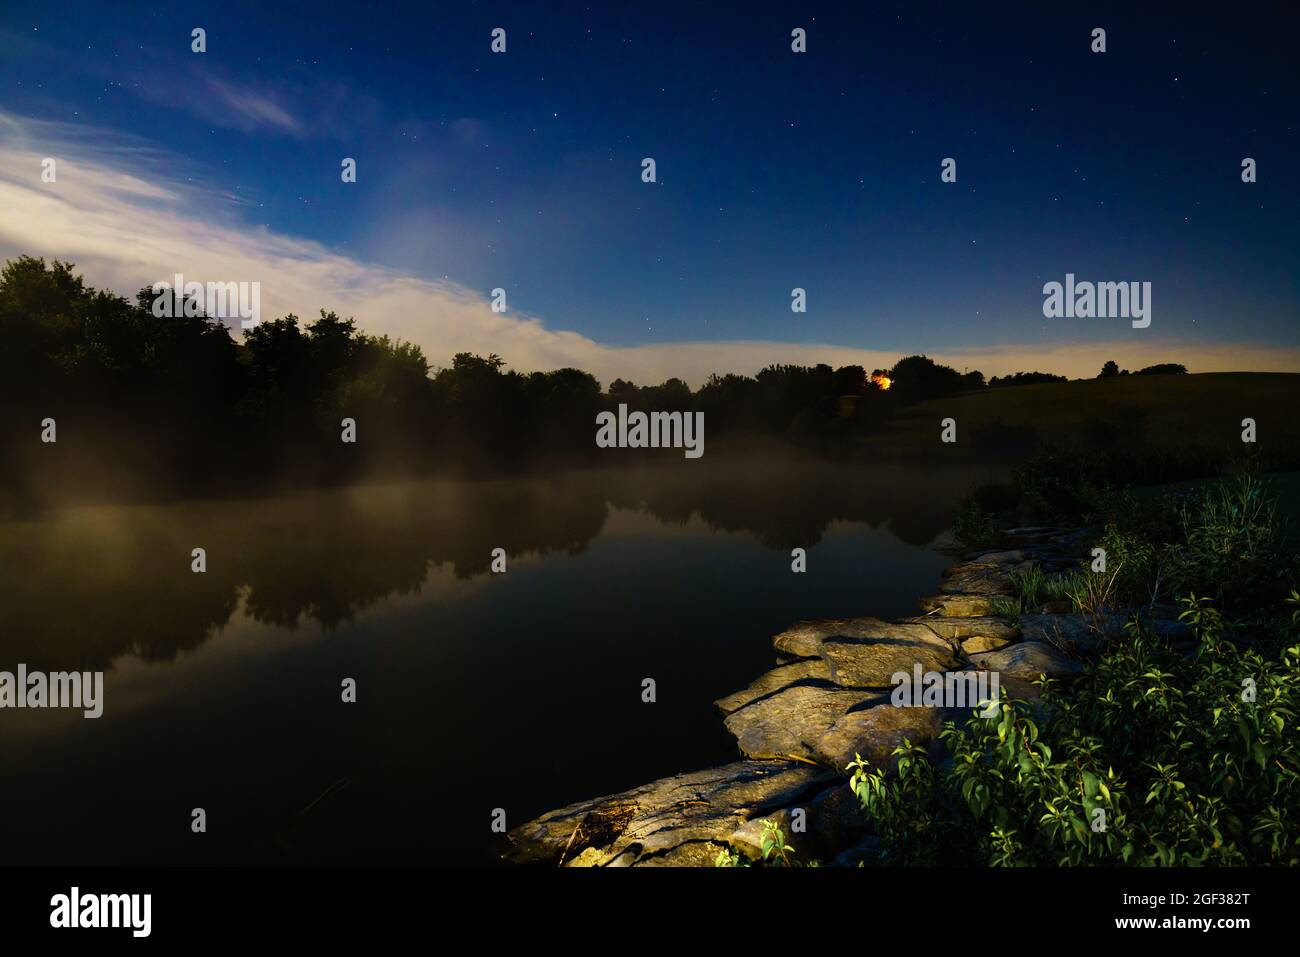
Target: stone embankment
[{"x": 827, "y": 699}]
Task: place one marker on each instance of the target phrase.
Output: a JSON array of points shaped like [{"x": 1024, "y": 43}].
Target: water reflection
[{"x": 85, "y": 585}]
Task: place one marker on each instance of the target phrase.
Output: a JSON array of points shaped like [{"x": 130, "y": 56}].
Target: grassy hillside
[{"x": 1167, "y": 412}]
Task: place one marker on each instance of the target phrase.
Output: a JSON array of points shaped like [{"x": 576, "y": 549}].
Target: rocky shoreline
[{"x": 827, "y": 699}]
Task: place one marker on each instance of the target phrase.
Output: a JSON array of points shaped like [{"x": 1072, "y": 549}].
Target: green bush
[
  {"x": 1136, "y": 565},
  {"x": 1233, "y": 548},
  {"x": 1152, "y": 757},
  {"x": 1223, "y": 541},
  {"x": 1150, "y": 517},
  {"x": 1057, "y": 485},
  {"x": 974, "y": 527}
]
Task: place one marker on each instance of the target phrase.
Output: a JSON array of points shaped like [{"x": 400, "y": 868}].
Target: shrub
[
  {"x": 1152, "y": 758},
  {"x": 1233, "y": 548},
  {"x": 1136, "y": 566},
  {"x": 1223, "y": 541},
  {"x": 973, "y": 527},
  {"x": 1056, "y": 485},
  {"x": 1096, "y": 594}
]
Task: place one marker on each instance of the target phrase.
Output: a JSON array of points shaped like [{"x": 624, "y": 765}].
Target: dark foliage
[{"x": 1025, "y": 378}]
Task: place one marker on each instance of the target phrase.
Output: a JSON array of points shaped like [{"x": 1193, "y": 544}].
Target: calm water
[{"x": 475, "y": 690}]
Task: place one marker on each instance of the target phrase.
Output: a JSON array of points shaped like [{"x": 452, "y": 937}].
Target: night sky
[{"x": 775, "y": 169}]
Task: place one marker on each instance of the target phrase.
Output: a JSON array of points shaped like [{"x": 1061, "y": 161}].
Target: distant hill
[{"x": 1162, "y": 411}]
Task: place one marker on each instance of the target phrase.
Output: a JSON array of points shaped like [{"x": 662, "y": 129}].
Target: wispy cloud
[
  {"x": 249, "y": 110},
  {"x": 127, "y": 223},
  {"x": 293, "y": 103}
]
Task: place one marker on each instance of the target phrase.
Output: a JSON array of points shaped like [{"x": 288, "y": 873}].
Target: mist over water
[{"x": 475, "y": 690}]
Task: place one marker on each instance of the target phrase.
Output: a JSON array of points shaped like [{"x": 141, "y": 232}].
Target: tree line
[{"x": 179, "y": 397}]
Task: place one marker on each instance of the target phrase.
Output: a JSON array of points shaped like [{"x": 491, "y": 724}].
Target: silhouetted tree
[
  {"x": 1025, "y": 378},
  {"x": 918, "y": 377},
  {"x": 1164, "y": 368}
]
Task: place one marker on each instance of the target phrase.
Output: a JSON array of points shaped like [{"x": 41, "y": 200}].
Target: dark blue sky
[{"x": 775, "y": 169}]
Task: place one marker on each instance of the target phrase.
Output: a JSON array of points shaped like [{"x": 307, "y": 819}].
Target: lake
[{"x": 475, "y": 690}]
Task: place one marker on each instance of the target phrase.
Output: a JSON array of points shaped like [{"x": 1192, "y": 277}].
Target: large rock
[
  {"x": 1171, "y": 629},
  {"x": 789, "y": 723},
  {"x": 832, "y": 821},
  {"x": 1081, "y": 633},
  {"x": 1090, "y": 634},
  {"x": 1022, "y": 688},
  {"x": 875, "y": 732},
  {"x": 803, "y": 670},
  {"x": 805, "y": 639},
  {"x": 865, "y": 854},
  {"x": 1029, "y": 659},
  {"x": 655, "y": 819},
  {"x": 1033, "y": 535},
  {"x": 694, "y": 854},
  {"x": 973, "y": 578},
  {"x": 872, "y": 662},
  {"x": 959, "y": 629},
  {"x": 958, "y": 606},
  {"x": 977, "y": 644},
  {"x": 1011, "y": 556}
]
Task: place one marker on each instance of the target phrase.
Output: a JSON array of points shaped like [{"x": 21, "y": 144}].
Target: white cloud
[
  {"x": 248, "y": 109},
  {"x": 127, "y": 224}
]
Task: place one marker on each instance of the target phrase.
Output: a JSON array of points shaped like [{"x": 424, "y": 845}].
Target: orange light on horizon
[{"x": 881, "y": 380}]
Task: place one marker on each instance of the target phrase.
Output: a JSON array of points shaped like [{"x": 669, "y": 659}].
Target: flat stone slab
[
  {"x": 804, "y": 639},
  {"x": 1030, "y": 531},
  {"x": 958, "y": 606},
  {"x": 875, "y": 732},
  {"x": 1061, "y": 543},
  {"x": 1029, "y": 659},
  {"x": 872, "y": 662},
  {"x": 788, "y": 724},
  {"x": 693, "y": 854},
  {"x": 633, "y": 827},
  {"x": 1011, "y": 556},
  {"x": 959, "y": 629},
  {"x": 972, "y": 578},
  {"x": 782, "y": 676},
  {"x": 977, "y": 644}
]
